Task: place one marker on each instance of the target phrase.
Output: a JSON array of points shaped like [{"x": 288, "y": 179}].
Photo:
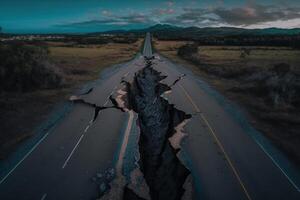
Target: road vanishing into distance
[{"x": 226, "y": 161}]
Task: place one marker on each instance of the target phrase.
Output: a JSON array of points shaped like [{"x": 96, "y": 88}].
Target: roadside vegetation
[
  {"x": 228, "y": 36},
  {"x": 26, "y": 68},
  {"x": 36, "y": 76},
  {"x": 264, "y": 80}
]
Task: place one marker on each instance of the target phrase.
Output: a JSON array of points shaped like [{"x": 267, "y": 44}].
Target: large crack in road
[
  {"x": 161, "y": 131},
  {"x": 163, "y": 171}
]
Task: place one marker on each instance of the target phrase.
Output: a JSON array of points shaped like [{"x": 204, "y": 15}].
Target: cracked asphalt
[{"x": 226, "y": 160}]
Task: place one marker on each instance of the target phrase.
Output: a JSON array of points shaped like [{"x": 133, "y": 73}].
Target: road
[{"x": 225, "y": 160}]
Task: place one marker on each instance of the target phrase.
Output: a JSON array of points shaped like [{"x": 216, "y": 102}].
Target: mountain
[
  {"x": 196, "y": 32},
  {"x": 163, "y": 27}
]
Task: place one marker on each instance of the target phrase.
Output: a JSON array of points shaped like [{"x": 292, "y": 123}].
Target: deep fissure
[{"x": 162, "y": 169}]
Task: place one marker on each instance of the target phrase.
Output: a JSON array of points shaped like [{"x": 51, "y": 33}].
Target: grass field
[
  {"x": 85, "y": 62},
  {"x": 214, "y": 63},
  {"x": 231, "y": 55},
  {"x": 22, "y": 112},
  {"x": 259, "y": 55}
]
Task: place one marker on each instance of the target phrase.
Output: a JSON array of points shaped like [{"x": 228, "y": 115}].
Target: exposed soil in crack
[
  {"x": 160, "y": 171},
  {"x": 163, "y": 171}
]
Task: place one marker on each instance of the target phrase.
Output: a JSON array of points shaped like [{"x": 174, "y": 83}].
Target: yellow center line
[{"x": 218, "y": 142}]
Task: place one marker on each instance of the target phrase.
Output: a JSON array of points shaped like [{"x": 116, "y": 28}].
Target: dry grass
[
  {"x": 22, "y": 112},
  {"x": 86, "y": 62},
  {"x": 168, "y": 46},
  {"x": 231, "y": 55},
  {"x": 260, "y": 56},
  {"x": 276, "y": 124},
  {"x": 169, "y": 50}
]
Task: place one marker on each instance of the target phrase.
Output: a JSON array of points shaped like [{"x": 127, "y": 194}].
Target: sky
[{"x": 81, "y": 16}]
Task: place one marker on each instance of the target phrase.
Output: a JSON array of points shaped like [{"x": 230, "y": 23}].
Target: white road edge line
[
  {"x": 40, "y": 141},
  {"x": 31, "y": 150},
  {"x": 66, "y": 162},
  {"x": 278, "y": 166},
  {"x": 87, "y": 128},
  {"x": 270, "y": 157},
  {"x": 44, "y": 196}
]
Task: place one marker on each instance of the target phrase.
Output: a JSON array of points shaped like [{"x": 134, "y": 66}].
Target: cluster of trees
[
  {"x": 98, "y": 39},
  {"x": 238, "y": 40},
  {"x": 25, "y": 68},
  {"x": 187, "y": 51},
  {"x": 289, "y": 41}
]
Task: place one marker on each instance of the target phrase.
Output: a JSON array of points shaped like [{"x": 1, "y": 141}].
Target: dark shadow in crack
[
  {"x": 78, "y": 99},
  {"x": 87, "y": 92},
  {"x": 163, "y": 171},
  {"x": 177, "y": 80}
]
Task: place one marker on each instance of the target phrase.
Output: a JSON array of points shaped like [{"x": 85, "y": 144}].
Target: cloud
[
  {"x": 193, "y": 17},
  {"x": 89, "y": 23},
  {"x": 106, "y": 13},
  {"x": 170, "y": 3},
  {"x": 135, "y": 18},
  {"x": 166, "y": 8},
  {"x": 111, "y": 19},
  {"x": 255, "y": 14},
  {"x": 161, "y": 11},
  {"x": 250, "y": 15}
]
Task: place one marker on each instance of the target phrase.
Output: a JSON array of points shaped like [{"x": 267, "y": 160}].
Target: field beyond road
[
  {"x": 264, "y": 81},
  {"x": 84, "y": 62},
  {"x": 22, "y": 111}
]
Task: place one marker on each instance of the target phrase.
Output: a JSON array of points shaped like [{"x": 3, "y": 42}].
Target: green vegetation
[
  {"x": 216, "y": 35},
  {"x": 187, "y": 50},
  {"x": 228, "y": 35},
  {"x": 36, "y": 76},
  {"x": 25, "y": 68},
  {"x": 95, "y": 39},
  {"x": 277, "y": 83},
  {"x": 265, "y": 81}
]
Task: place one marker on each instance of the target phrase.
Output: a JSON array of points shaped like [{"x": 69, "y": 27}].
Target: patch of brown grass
[
  {"x": 85, "y": 63},
  {"x": 280, "y": 125},
  {"x": 259, "y": 55},
  {"x": 22, "y": 112}
]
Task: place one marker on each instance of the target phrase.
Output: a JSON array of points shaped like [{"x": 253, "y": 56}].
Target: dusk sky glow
[{"x": 65, "y": 16}]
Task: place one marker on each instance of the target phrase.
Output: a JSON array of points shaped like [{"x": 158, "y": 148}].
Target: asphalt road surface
[{"x": 225, "y": 160}]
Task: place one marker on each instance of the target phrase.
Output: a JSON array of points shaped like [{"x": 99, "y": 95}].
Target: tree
[
  {"x": 245, "y": 52},
  {"x": 186, "y": 51}
]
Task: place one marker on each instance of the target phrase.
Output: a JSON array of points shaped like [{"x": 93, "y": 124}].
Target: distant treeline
[
  {"x": 238, "y": 40},
  {"x": 222, "y": 35},
  {"x": 78, "y": 39},
  {"x": 98, "y": 39}
]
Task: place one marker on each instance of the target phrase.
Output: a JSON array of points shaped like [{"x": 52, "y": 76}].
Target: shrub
[
  {"x": 24, "y": 68},
  {"x": 188, "y": 50}
]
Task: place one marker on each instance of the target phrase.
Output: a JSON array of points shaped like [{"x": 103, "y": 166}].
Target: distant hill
[
  {"x": 222, "y": 35},
  {"x": 196, "y": 32}
]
